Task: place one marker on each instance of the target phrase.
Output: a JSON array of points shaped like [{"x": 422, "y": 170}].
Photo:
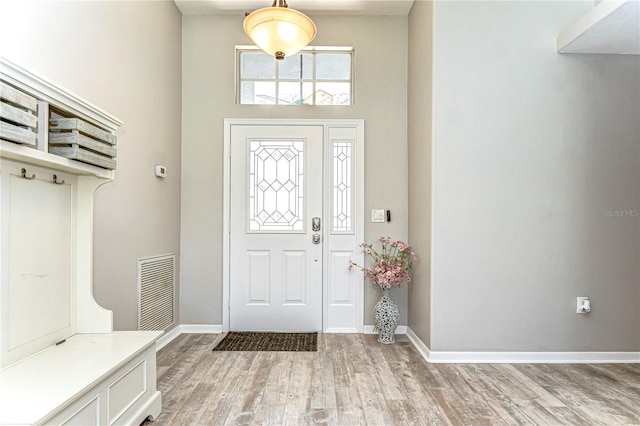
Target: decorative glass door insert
[
  {"x": 276, "y": 186},
  {"x": 342, "y": 201}
]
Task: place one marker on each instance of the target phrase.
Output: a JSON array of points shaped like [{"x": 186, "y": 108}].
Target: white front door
[{"x": 276, "y": 209}]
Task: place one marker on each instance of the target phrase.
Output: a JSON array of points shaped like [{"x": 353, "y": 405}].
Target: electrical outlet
[{"x": 583, "y": 305}]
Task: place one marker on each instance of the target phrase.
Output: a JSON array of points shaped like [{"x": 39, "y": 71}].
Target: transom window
[{"x": 311, "y": 77}]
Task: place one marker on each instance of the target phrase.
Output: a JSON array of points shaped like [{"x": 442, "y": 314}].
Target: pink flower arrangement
[{"x": 391, "y": 265}]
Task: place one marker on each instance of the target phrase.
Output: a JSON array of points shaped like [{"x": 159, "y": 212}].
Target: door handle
[
  {"x": 315, "y": 238},
  {"x": 315, "y": 224}
]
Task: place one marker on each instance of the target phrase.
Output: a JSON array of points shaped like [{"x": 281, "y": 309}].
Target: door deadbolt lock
[
  {"x": 315, "y": 238},
  {"x": 315, "y": 224}
]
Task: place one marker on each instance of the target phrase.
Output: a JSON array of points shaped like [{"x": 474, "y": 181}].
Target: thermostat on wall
[{"x": 161, "y": 171}]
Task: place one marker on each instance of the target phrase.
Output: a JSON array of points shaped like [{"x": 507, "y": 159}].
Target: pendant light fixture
[{"x": 278, "y": 30}]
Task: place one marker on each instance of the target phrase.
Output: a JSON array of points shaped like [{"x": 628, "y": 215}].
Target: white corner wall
[
  {"x": 208, "y": 97},
  {"x": 124, "y": 57},
  {"x": 536, "y": 184}
]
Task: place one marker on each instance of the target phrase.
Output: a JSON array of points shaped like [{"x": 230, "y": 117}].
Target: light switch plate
[{"x": 377, "y": 215}]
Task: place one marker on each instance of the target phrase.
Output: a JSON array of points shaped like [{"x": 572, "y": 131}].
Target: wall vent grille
[{"x": 156, "y": 276}]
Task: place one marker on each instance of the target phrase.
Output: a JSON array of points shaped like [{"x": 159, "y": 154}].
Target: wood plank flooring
[{"x": 353, "y": 380}]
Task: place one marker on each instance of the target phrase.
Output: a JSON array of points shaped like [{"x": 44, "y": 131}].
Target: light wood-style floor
[{"x": 353, "y": 380}]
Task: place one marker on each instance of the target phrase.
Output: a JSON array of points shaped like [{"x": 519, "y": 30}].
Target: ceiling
[
  {"x": 313, "y": 7},
  {"x": 612, "y": 27}
]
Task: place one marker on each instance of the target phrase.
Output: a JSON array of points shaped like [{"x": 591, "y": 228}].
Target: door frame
[{"x": 358, "y": 125}]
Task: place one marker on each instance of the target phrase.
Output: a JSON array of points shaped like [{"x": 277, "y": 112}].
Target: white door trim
[{"x": 358, "y": 125}]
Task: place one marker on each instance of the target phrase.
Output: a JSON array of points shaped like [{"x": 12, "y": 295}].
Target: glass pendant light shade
[{"x": 279, "y": 31}]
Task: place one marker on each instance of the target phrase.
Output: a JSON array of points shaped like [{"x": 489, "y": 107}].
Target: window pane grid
[
  {"x": 289, "y": 80},
  {"x": 315, "y": 66},
  {"x": 296, "y": 80}
]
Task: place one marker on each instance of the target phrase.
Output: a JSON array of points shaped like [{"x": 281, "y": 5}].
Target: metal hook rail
[{"x": 24, "y": 174}]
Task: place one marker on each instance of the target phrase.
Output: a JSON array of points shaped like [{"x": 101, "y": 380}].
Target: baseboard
[
  {"x": 451, "y": 356},
  {"x": 337, "y": 330},
  {"x": 401, "y": 329},
  {"x": 420, "y": 346},
  {"x": 167, "y": 337},
  {"x": 520, "y": 357},
  {"x": 217, "y": 329},
  {"x": 534, "y": 357},
  {"x": 201, "y": 328}
]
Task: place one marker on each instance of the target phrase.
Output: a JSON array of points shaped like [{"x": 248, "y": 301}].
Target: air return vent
[{"x": 156, "y": 292}]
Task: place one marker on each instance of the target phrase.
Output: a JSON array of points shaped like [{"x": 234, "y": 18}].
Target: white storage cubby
[{"x": 60, "y": 360}]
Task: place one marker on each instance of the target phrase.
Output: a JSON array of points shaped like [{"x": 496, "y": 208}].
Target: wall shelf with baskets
[{"x": 41, "y": 122}]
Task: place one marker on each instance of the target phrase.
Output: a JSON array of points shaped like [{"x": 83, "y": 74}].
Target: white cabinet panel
[
  {"x": 37, "y": 264},
  {"x": 39, "y": 274},
  {"x": 88, "y": 415},
  {"x": 126, "y": 390}
]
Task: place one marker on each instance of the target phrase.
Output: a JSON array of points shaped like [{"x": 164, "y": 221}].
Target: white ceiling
[
  {"x": 313, "y": 7},
  {"x": 612, "y": 27}
]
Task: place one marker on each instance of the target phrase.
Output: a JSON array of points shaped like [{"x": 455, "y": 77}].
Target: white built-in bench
[{"x": 89, "y": 379}]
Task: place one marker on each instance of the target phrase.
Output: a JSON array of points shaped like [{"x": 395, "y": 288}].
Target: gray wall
[
  {"x": 208, "y": 97},
  {"x": 125, "y": 58},
  {"x": 531, "y": 149},
  {"x": 420, "y": 99}
]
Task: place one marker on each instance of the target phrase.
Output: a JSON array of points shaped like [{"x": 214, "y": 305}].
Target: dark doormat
[{"x": 266, "y": 341}]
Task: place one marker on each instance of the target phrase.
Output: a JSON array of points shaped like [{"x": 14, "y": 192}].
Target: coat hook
[
  {"x": 24, "y": 174},
  {"x": 55, "y": 180}
]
